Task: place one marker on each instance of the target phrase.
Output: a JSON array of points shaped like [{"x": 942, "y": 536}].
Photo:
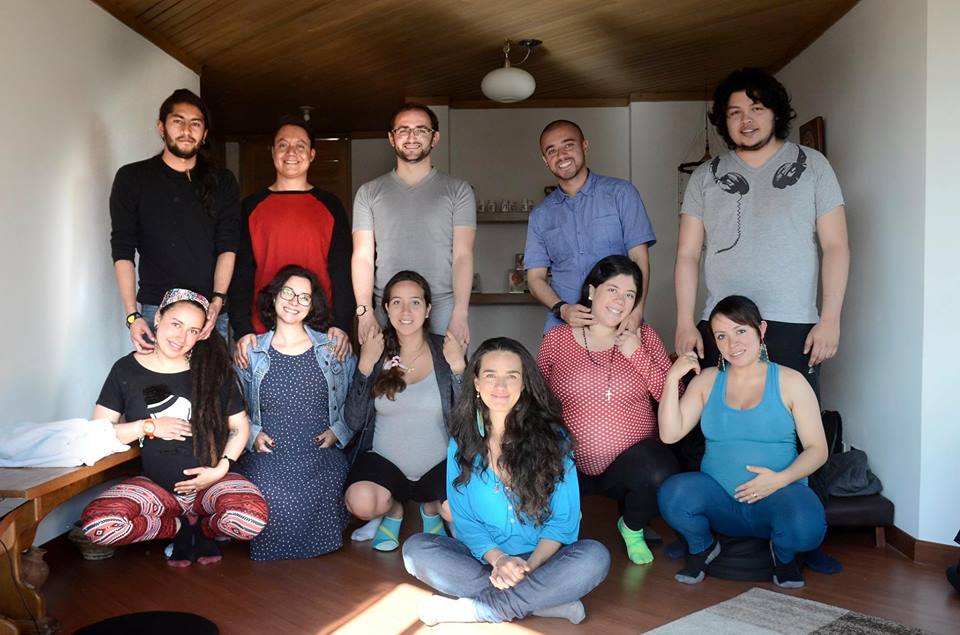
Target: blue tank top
[{"x": 763, "y": 436}]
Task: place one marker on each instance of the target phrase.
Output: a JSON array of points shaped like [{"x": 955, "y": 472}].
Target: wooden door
[{"x": 329, "y": 171}]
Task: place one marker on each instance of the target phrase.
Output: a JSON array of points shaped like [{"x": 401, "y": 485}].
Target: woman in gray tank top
[{"x": 399, "y": 403}]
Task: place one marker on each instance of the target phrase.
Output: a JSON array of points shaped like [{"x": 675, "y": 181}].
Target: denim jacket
[
  {"x": 361, "y": 413},
  {"x": 337, "y": 374}
]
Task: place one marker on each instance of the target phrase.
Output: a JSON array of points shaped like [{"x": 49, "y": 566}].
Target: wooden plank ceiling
[{"x": 356, "y": 60}]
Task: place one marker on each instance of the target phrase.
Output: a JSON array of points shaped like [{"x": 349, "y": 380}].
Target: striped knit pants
[{"x": 138, "y": 509}]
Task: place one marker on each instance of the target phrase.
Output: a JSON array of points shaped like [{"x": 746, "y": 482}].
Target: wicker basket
[{"x": 89, "y": 550}]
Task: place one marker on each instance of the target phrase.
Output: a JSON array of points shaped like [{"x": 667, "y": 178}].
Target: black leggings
[{"x": 633, "y": 480}]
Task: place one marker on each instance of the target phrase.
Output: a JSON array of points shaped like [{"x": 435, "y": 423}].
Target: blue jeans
[
  {"x": 148, "y": 311},
  {"x": 695, "y": 505},
  {"x": 447, "y": 565}
]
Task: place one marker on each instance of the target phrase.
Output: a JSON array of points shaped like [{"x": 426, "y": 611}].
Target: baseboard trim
[{"x": 922, "y": 551}]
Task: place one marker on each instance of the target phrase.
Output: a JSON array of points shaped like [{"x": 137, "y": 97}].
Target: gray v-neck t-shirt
[
  {"x": 761, "y": 229},
  {"x": 413, "y": 226}
]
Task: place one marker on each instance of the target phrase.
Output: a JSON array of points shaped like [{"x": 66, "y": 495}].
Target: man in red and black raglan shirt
[
  {"x": 181, "y": 213},
  {"x": 292, "y": 222}
]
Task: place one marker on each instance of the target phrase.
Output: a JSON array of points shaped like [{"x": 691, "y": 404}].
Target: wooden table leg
[{"x": 20, "y": 605}]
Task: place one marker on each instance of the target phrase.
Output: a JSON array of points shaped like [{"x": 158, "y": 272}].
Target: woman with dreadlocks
[{"x": 182, "y": 403}]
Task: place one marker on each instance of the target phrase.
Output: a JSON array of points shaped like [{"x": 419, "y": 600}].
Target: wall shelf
[
  {"x": 503, "y": 217},
  {"x": 502, "y": 298}
]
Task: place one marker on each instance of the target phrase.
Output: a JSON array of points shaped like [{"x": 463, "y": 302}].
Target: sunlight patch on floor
[{"x": 395, "y": 613}]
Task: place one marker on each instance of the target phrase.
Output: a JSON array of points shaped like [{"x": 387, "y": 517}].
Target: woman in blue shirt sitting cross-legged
[{"x": 512, "y": 491}]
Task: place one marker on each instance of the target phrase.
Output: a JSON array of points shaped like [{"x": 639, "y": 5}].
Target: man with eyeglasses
[
  {"x": 291, "y": 222},
  {"x": 418, "y": 218},
  {"x": 588, "y": 217},
  {"x": 180, "y": 213}
]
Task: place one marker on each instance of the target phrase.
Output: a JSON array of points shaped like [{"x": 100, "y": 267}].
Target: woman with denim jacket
[
  {"x": 406, "y": 382},
  {"x": 295, "y": 387}
]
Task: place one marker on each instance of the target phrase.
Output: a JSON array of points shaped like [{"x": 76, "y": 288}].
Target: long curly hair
[
  {"x": 391, "y": 382},
  {"x": 318, "y": 317},
  {"x": 535, "y": 439},
  {"x": 211, "y": 367}
]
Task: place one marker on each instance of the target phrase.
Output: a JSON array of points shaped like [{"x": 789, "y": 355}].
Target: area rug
[{"x": 763, "y": 612}]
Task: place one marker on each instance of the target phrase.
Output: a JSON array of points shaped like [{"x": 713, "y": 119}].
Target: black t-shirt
[{"x": 137, "y": 393}]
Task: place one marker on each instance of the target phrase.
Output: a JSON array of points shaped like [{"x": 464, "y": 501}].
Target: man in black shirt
[{"x": 181, "y": 214}]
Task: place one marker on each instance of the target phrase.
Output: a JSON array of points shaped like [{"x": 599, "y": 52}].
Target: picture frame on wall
[{"x": 813, "y": 135}]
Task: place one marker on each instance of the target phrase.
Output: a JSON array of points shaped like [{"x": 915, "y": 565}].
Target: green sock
[
  {"x": 387, "y": 537},
  {"x": 432, "y": 524},
  {"x": 637, "y": 549}
]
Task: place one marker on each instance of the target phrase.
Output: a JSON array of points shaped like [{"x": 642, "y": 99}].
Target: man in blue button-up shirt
[{"x": 586, "y": 218}]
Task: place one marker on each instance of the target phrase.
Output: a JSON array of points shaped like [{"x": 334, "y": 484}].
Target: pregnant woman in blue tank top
[{"x": 752, "y": 482}]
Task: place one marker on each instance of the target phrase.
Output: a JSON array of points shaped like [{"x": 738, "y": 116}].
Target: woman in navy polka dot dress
[{"x": 295, "y": 385}]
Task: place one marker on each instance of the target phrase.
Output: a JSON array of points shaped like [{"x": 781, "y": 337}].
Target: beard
[
  {"x": 176, "y": 151},
  {"x": 758, "y": 145},
  {"x": 417, "y": 158}
]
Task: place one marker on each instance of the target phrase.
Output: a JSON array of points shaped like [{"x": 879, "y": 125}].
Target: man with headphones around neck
[{"x": 759, "y": 212}]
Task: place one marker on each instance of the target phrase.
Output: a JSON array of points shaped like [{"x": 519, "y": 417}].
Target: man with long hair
[{"x": 179, "y": 212}]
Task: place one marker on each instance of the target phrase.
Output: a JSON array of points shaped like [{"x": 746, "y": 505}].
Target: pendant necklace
[
  {"x": 411, "y": 368},
  {"x": 609, "y": 391}
]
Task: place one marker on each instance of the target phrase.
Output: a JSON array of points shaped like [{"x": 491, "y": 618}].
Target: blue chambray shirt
[{"x": 571, "y": 233}]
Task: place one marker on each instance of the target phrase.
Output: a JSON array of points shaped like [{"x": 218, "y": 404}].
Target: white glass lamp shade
[{"x": 508, "y": 84}]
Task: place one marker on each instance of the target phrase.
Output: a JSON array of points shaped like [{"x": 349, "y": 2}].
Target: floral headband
[{"x": 180, "y": 295}]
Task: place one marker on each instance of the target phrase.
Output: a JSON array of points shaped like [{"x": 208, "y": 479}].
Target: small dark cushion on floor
[
  {"x": 152, "y": 623},
  {"x": 859, "y": 511},
  {"x": 743, "y": 560},
  {"x": 953, "y": 575}
]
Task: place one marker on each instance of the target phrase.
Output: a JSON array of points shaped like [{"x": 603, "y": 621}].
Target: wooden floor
[{"x": 358, "y": 590}]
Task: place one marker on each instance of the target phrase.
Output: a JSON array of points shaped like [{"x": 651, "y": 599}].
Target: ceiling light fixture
[
  {"x": 509, "y": 83},
  {"x": 305, "y": 112}
]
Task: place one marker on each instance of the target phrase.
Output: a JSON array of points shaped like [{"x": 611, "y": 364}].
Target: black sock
[
  {"x": 695, "y": 569},
  {"x": 206, "y": 547},
  {"x": 183, "y": 548},
  {"x": 786, "y": 574}
]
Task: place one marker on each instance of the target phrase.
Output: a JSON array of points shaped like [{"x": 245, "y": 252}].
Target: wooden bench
[{"x": 39, "y": 490}]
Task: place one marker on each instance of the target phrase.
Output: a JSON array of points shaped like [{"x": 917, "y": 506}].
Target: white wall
[
  {"x": 81, "y": 99},
  {"x": 889, "y": 139},
  {"x": 940, "y": 438},
  {"x": 662, "y": 136}
]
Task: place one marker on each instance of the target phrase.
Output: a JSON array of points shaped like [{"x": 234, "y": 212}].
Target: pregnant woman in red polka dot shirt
[{"x": 605, "y": 381}]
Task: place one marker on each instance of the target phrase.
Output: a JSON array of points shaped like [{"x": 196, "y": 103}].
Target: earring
[
  {"x": 481, "y": 430},
  {"x": 721, "y": 366},
  {"x": 764, "y": 356}
]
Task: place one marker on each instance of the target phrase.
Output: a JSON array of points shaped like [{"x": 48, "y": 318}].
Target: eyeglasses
[
  {"x": 420, "y": 132},
  {"x": 303, "y": 299}
]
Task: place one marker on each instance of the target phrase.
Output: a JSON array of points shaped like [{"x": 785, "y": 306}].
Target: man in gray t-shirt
[
  {"x": 758, "y": 214},
  {"x": 416, "y": 218}
]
